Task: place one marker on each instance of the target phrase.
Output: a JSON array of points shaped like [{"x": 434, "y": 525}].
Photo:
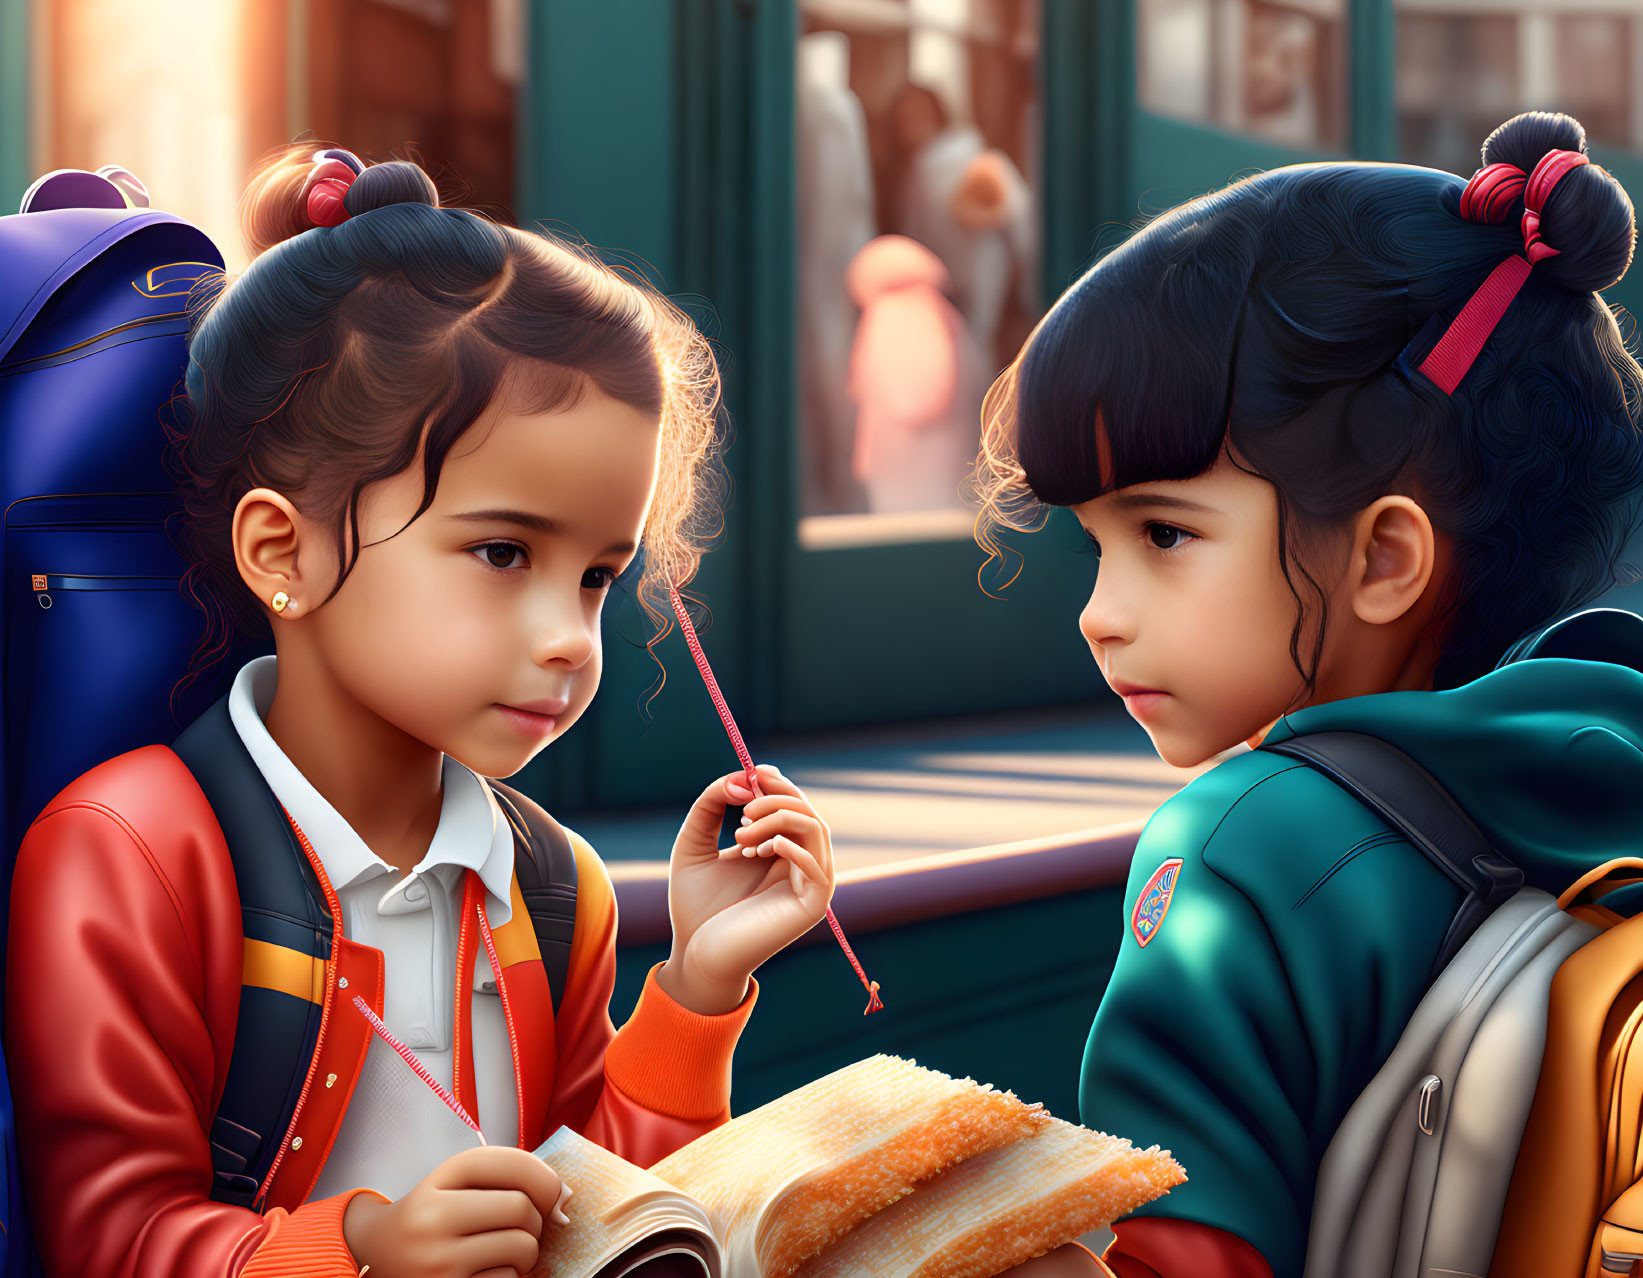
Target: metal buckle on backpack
[
  {"x": 1620, "y": 1262},
  {"x": 1431, "y": 1085}
]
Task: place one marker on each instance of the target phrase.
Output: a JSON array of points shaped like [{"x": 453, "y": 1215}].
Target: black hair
[{"x": 1271, "y": 317}]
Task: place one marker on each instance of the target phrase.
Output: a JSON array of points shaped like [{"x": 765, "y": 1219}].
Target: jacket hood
[{"x": 1544, "y": 753}]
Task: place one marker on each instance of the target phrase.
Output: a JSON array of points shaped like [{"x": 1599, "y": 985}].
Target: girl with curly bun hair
[
  {"x": 1349, "y": 442},
  {"x": 418, "y": 447}
]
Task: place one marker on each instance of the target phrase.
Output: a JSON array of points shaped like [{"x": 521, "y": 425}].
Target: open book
[{"x": 880, "y": 1168}]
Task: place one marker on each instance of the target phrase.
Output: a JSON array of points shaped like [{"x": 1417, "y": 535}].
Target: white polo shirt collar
[{"x": 472, "y": 833}]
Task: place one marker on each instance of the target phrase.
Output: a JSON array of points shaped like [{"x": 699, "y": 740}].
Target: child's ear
[
  {"x": 1393, "y": 555},
  {"x": 271, "y": 547}
]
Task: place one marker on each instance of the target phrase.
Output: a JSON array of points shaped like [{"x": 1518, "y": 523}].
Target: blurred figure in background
[
  {"x": 835, "y": 219},
  {"x": 916, "y": 377},
  {"x": 971, "y": 206},
  {"x": 1281, "y": 69}
]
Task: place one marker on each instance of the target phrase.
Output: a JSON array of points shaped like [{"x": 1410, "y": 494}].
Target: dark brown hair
[{"x": 341, "y": 351}]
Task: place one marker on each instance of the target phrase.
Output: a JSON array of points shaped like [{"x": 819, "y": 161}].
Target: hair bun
[
  {"x": 274, "y": 209},
  {"x": 394, "y": 182},
  {"x": 1588, "y": 217}
]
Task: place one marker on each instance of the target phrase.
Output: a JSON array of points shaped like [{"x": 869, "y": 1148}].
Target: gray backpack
[{"x": 1414, "y": 1183}]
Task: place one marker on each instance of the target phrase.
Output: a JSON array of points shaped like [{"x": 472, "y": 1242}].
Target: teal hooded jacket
[{"x": 1264, "y": 979}]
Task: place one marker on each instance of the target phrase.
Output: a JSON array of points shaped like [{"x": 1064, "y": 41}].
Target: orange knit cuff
[
  {"x": 674, "y": 1061},
  {"x": 306, "y": 1243}
]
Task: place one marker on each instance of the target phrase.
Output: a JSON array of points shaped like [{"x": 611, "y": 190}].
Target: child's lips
[
  {"x": 530, "y": 722},
  {"x": 551, "y": 707},
  {"x": 1140, "y": 703},
  {"x": 1139, "y": 700}
]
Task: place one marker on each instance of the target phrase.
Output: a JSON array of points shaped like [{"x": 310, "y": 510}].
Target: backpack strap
[
  {"x": 284, "y": 914},
  {"x": 545, "y": 865},
  {"x": 1411, "y": 800},
  {"x": 1605, "y": 878},
  {"x": 1620, "y": 1233}
]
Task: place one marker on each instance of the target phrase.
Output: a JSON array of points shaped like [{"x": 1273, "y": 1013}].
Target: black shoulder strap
[
  {"x": 546, "y": 867},
  {"x": 282, "y": 906},
  {"x": 1412, "y": 801}
]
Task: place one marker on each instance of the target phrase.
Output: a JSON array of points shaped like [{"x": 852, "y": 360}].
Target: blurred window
[
  {"x": 188, "y": 94},
  {"x": 918, "y": 225},
  {"x": 1273, "y": 71},
  {"x": 155, "y": 89},
  {"x": 1466, "y": 67},
  {"x": 433, "y": 80}
]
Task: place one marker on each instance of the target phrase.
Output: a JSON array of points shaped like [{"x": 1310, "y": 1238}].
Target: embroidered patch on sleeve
[{"x": 1153, "y": 903}]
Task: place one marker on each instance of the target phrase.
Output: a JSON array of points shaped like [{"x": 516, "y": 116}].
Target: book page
[
  {"x": 786, "y": 1179},
  {"x": 668, "y": 1255},
  {"x": 615, "y": 1205},
  {"x": 1003, "y": 1207}
]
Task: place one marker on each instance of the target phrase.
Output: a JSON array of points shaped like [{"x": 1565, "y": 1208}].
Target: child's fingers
[
  {"x": 771, "y": 780},
  {"x": 788, "y": 814},
  {"x": 803, "y": 828},
  {"x": 797, "y": 856},
  {"x": 487, "y": 1210},
  {"x": 499, "y": 1167},
  {"x": 799, "y": 823},
  {"x": 708, "y": 812},
  {"x": 780, "y": 846},
  {"x": 767, "y": 803}
]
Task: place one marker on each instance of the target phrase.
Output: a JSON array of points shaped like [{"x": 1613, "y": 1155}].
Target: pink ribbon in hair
[{"x": 1489, "y": 197}]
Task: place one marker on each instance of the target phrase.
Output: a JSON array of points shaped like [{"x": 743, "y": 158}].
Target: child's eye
[
  {"x": 501, "y": 555},
  {"x": 598, "y": 578},
  {"x": 1168, "y": 537}
]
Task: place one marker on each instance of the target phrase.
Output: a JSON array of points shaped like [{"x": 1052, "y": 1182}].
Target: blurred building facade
[{"x": 756, "y": 157}]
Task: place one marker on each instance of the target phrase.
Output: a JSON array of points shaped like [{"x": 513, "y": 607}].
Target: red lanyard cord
[
  {"x": 874, "y": 1003},
  {"x": 409, "y": 1057}
]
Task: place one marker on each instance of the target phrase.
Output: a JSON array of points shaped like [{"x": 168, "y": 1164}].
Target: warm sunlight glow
[{"x": 130, "y": 82}]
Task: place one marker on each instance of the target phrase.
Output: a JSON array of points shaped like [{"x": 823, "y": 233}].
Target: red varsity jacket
[{"x": 125, "y": 963}]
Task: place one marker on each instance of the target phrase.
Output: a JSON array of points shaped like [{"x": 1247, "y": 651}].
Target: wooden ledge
[{"x": 876, "y": 897}]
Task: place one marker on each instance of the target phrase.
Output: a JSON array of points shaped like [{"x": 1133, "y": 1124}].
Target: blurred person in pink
[
  {"x": 916, "y": 378},
  {"x": 968, "y": 203}
]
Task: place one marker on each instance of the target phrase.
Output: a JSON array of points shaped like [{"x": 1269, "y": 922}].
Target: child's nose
[
  {"x": 566, "y": 638},
  {"x": 1106, "y": 619}
]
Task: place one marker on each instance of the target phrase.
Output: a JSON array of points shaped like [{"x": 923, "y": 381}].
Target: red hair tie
[
  {"x": 1490, "y": 194},
  {"x": 323, "y": 192},
  {"x": 1551, "y": 169},
  {"x": 1489, "y": 197}
]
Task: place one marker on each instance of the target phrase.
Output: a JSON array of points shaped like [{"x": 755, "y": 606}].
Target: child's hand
[
  {"x": 733, "y": 909},
  {"x": 480, "y": 1212}
]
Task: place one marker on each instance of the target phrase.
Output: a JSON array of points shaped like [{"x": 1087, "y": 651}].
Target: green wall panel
[
  {"x": 897, "y": 637},
  {"x": 597, "y": 149},
  {"x": 1371, "y": 81},
  {"x": 606, "y": 154},
  {"x": 1176, "y": 161},
  {"x": 1628, "y": 294},
  {"x": 16, "y": 116}
]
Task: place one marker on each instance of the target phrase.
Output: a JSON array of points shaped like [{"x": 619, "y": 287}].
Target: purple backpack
[{"x": 93, "y": 293}]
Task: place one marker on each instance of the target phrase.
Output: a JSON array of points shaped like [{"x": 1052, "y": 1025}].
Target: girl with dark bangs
[
  {"x": 419, "y": 448},
  {"x": 1350, "y": 442}
]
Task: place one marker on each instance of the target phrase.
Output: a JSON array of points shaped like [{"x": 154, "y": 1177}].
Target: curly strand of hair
[{"x": 998, "y": 481}]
